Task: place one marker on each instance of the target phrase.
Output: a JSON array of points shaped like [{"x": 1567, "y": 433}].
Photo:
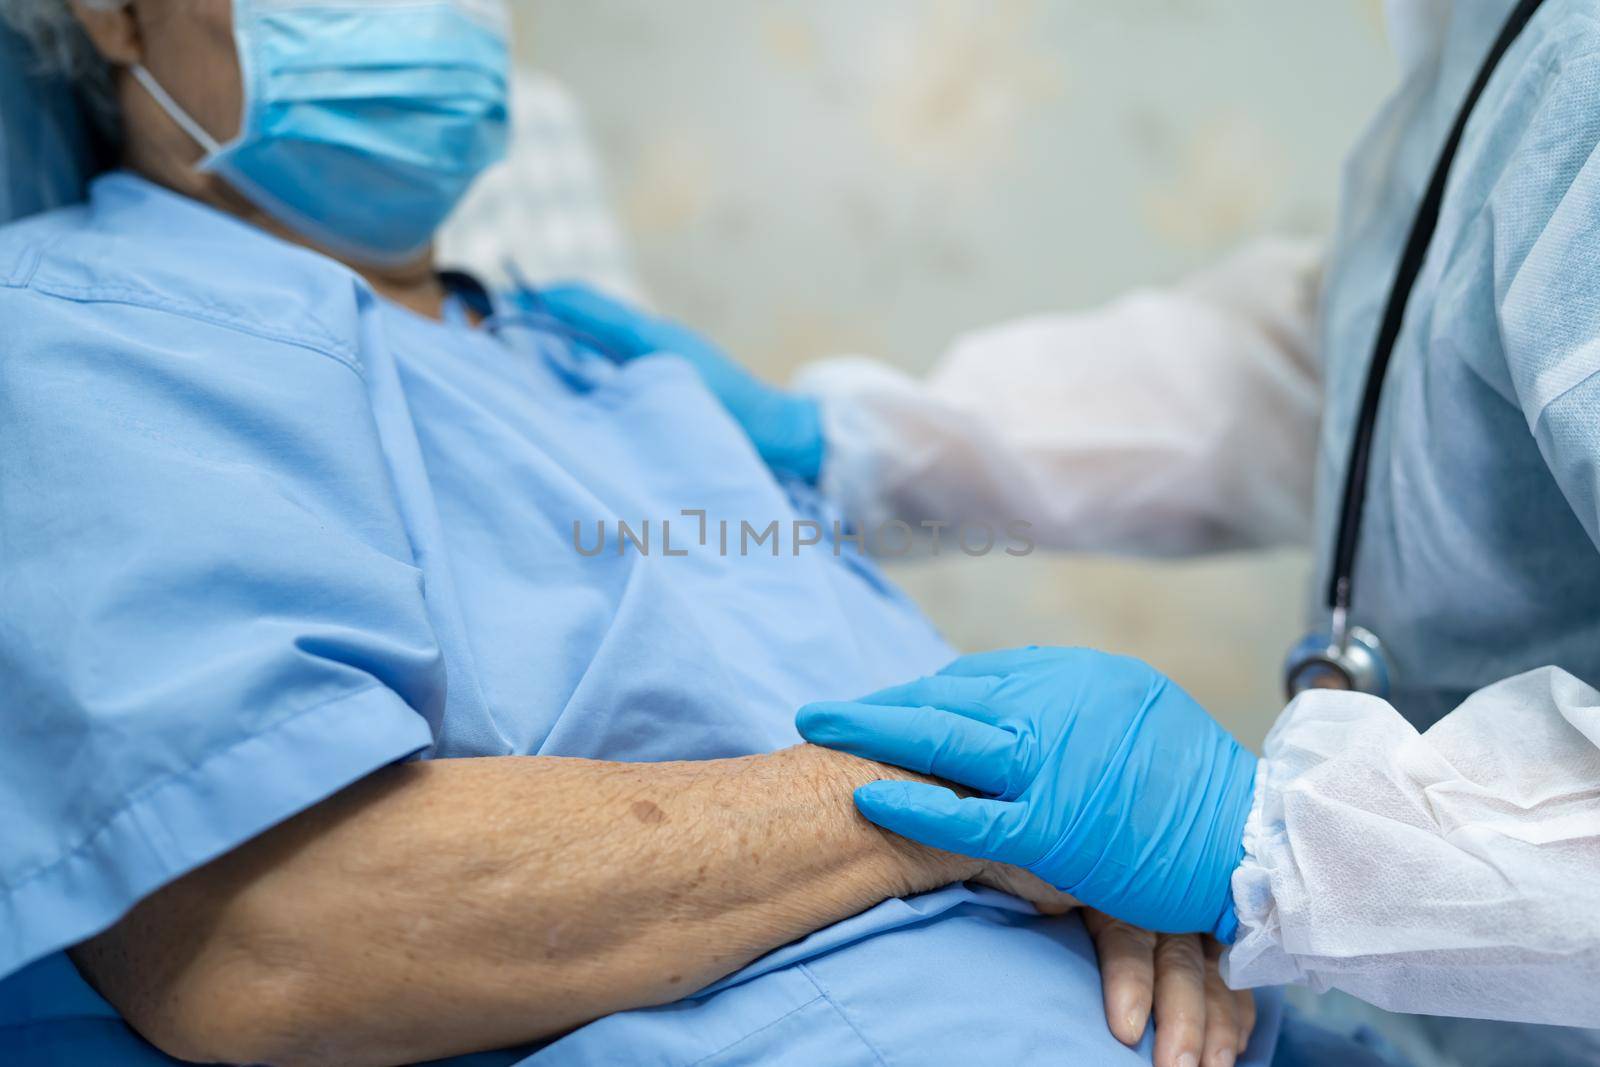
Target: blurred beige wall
[{"x": 800, "y": 178}]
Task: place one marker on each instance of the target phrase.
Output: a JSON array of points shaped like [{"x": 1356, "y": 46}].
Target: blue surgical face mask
[{"x": 364, "y": 120}]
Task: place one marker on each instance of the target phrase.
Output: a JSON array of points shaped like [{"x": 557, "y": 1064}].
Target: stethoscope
[
  {"x": 1347, "y": 656},
  {"x": 523, "y": 307}
]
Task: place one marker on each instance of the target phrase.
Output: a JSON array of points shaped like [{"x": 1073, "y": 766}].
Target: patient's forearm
[{"x": 453, "y": 905}]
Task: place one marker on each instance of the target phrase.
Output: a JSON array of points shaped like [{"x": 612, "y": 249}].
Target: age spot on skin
[{"x": 647, "y": 812}]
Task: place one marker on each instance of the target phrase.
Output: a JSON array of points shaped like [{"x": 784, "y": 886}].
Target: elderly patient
[{"x": 281, "y": 507}]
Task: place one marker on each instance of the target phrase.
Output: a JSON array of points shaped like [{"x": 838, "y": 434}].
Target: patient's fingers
[
  {"x": 1127, "y": 973},
  {"x": 1200, "y": 1022},
  {"x": 1047, "y": 899},
  {"x": 1245, "y": 1011},
  {"x": 1222, "y": 1023},
  {"x": 1180, "y": 1000},
  {"x": 1244, "y": 1002},
  {"x": 925, "y": 739}
]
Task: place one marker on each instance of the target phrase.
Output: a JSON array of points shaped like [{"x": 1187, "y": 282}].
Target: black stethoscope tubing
[{"x": 1353, "y": 502}]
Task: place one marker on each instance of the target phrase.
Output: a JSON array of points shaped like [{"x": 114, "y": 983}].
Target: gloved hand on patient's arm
[
  {"x": 1172, "y": 978},
  {"x": 785, "y": 427},
  {"x": 1065, "y": 748},
  {"x": 1096, "y": 773}
]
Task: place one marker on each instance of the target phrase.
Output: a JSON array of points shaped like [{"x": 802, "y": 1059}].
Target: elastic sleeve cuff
[
  {"x": 858, "y": 465},
  {"x": 181, "y": 822},
  {"x": 1256, "y": 957},
  {"x": 1268, "y": 885}
]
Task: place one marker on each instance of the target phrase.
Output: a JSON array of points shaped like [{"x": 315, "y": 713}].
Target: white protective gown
[{"x": 1423, "y": 861}]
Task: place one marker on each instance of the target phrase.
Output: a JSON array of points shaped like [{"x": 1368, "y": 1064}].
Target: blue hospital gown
[{"x": 262, "y": 533}]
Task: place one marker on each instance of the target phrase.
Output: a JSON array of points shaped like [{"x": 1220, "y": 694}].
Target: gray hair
[{"x": 61, "y": 48}]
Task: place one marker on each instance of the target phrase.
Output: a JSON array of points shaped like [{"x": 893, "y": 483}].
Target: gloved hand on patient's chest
[
  {"x": 1098, "y": 774},
  {"x": 785, "y": 427}
]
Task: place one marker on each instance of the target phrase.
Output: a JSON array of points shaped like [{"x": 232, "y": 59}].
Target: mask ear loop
[{"x": 174, "y": 111}]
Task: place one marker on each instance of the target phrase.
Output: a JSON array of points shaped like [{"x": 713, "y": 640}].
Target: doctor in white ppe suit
[{"x": 1426, "y": 834}]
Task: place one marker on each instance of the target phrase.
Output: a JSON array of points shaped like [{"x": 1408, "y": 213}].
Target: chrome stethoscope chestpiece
[{"x": 1351, "y": 661}]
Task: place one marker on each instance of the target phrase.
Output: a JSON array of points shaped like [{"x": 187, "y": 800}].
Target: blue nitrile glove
[
  {"x": 786, "y": 428},
  {"x": 1107, "y": 780}
]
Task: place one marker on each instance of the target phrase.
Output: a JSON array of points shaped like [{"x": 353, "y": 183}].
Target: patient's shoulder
[{"x": 233, "y": 280}]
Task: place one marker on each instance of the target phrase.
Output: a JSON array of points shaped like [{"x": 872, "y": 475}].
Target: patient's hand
[
  {"x": 1176, "y": 976},
  {"x": 1200, "y": 1022},
  {"x": 1019, "y": 883},
  {"x": 1173, "y": 976}
]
